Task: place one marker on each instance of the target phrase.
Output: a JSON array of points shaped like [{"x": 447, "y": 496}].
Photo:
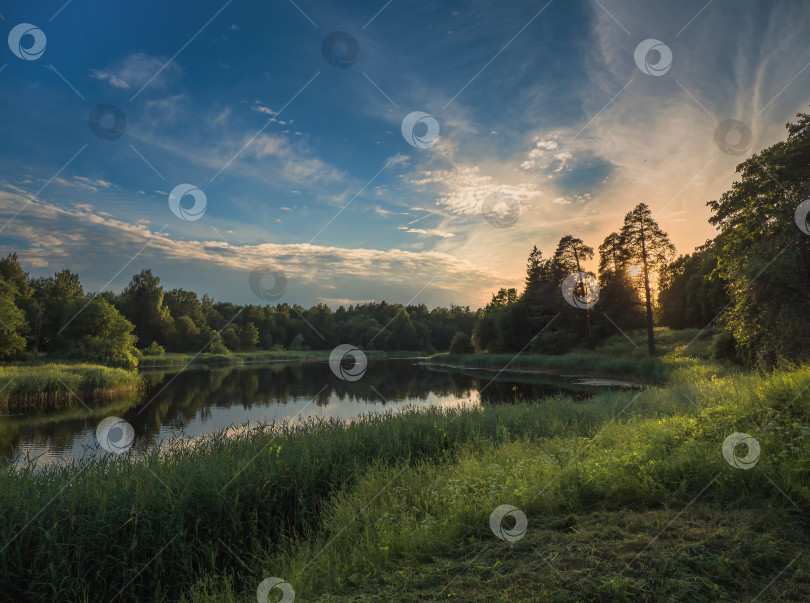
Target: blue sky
[{"x": 304, "y": 166}]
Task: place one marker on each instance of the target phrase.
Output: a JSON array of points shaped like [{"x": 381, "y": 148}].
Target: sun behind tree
[{"x": 646, "y": 245}]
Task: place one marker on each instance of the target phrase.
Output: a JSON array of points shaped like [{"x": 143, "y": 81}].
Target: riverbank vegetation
[
  {"x": 617, "y": 357},
  {"x": 50, "y": 386},
  {"x": 322, "y": 519}
]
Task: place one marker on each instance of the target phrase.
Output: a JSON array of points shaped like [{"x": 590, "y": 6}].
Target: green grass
[
  {"x": 707, "y": 554},
  {"x": 650, "y": 461},
  {"x": 396, "y": 507},
  {"x": 618, "y": 357},
  {"x": 49, "y": 386}
]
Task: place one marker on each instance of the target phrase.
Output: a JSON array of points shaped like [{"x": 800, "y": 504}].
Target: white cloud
[
  {"x": 432, "y": 232},
  {"x": 259, "y": 108},
  {"x": 83, "y": 183},
  {"x": 463, "y": 190},
  {"x": 114, "y": 81},
  {"x": 137, "y": 69},
  {"x": 546, "y": 145}
]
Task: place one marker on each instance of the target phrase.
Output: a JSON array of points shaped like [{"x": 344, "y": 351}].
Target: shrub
[
  {"x": 154, "y": 349},
  {"x": 461, "y": 344},
  {"x": 724, "y": 347},
  {"x": 553, "y": 342},
  {"x": 297, "y": 343}
]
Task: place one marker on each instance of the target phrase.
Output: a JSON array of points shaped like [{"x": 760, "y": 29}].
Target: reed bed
[{"x": 52, "y": 386}]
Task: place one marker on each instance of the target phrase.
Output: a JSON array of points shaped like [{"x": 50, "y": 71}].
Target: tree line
[{"x": 54, "y": 315}]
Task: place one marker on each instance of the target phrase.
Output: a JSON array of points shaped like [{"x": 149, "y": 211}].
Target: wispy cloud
[
  {"x": 135, "y": 70},
  {"x": 88, "y": 238},
  {"x": 84, "y": 183}
]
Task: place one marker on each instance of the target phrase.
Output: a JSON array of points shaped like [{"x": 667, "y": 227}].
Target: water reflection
[{"x": 202, "y": 400}]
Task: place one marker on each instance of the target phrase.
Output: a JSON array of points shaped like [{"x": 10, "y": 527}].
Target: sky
[{"x": 406, "y": 151}]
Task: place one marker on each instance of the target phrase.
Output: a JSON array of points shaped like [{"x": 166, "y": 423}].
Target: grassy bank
[
  {"x": 175, "y": 359},
  {"x": 48, "y": 386},
  {"x": 652, "y": 370},
  {"x": 618, "y": 357},
  {"x": 398, "y": 507}
]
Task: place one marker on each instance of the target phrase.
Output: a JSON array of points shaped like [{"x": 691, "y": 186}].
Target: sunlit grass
[
  {"x": 308, "y": 502},
  {"x": 621, "y": 356},
  {"x": 660, "y": 451}
]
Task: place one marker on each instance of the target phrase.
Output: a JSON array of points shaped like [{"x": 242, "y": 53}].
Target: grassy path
[{"x": 706, "y": 554}]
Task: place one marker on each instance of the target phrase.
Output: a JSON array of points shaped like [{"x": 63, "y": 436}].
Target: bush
[
  {"x": 154, "y": 349},
  {"x": 297, "y": 343},
  {"x": 553, "y": 342},
  {"x": 724, "y": 347},
  {"x": 461, "y": 344},
  {"x": 217, "y": 347},
  {"x": 98, "y": 334}
]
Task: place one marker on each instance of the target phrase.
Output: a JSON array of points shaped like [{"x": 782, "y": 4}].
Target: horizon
[{"x": 565, "y": 113}]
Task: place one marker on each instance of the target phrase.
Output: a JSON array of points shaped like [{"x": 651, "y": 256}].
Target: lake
[{"x": 201, "y": 400}]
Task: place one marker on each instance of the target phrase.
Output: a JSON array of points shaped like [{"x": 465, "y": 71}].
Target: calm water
[{"x": 203, "y": 400}]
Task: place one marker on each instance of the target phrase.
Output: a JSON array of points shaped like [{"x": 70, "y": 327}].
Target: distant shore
[{"x": 258, "y": 357}]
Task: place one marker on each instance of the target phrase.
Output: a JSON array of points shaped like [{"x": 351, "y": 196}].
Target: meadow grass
[
  {"x": 50, "y": 386},
  {"x": 350, "y": 511},
  {"x": 657, "y": 455},
  {"x": 617, "y": 357}
]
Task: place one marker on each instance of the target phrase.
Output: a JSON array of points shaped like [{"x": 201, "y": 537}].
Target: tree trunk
[
  {"x": 587, "y": 311},
  {"x": 648, "y": 296}
]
